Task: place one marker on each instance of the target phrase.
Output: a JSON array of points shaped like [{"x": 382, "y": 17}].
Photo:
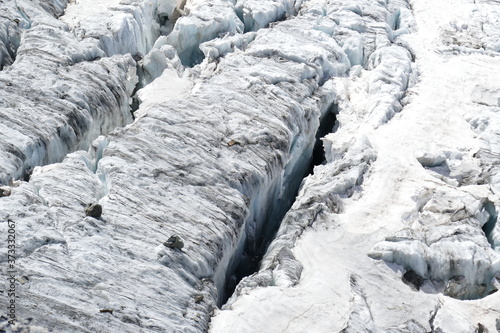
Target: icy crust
[
  {"x": 207, "y": 167},
  {"x": 59, "y": 95}
]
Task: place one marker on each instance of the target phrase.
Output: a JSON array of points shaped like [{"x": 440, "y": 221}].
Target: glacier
[{"x": 331, "y": 162}]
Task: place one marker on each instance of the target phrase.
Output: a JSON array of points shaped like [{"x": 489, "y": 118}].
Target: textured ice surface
[
  {"x": 117, "y": 27},
  {"x": 59, "y": 94},
  {"x": 396, "y": 232},
  {"x": 206, "y": 20},
  {"x": 161, "y": 57}
]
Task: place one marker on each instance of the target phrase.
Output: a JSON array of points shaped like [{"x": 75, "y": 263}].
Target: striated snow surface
[{"x": 200, "y": 119}]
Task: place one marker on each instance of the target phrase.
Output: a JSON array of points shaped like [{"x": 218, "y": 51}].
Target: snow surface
[{"x": 396, "y": 232}]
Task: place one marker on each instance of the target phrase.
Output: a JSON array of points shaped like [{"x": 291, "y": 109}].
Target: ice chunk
[
  {"x": 446, "y": 245},
  {"x": 117, "y": 27},
  {"x": 221, "y": 46},
  {"x": 158, "y": 59},
  {"x": 204, "y": 22},
  {"x": 431, "y": 158},
  {"x": 353, "y": 47}
]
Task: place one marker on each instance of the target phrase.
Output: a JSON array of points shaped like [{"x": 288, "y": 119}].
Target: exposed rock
[
  {"x": 413, "y": 279},
  {"x": 481, "y": 329},
  {"x": 174, "y": 242},
  {"x": 93, "y": 210}
]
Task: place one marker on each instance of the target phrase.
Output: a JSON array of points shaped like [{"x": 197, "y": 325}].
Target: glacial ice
[
  {"x": 206, "y": 21},
  {"x": 59, "y": 94},
  {"x": 259, "y": 14},
  {"x": 396, "y": 231}
]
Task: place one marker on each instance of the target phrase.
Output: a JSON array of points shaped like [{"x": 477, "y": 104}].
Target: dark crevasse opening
[
  {"x": 327, "y": 126},
  {"x": 238, "y": 10},
  {"x": 489, "y": 226},
  {"x": 134, "y": 106},
  {"x": 266, "y": 214},
  {"x": 192, "y": 56},
  {"x": 278, "y": 204}
]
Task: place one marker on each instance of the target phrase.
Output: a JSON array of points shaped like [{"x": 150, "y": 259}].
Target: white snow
[{"x": 168, "y": 86}]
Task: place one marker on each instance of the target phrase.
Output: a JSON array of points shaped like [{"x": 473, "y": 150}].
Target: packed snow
[{"x": 193, "y": 124}]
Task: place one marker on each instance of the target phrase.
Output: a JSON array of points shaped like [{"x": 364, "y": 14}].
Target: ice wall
[{"x": 116, "y": 27}]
